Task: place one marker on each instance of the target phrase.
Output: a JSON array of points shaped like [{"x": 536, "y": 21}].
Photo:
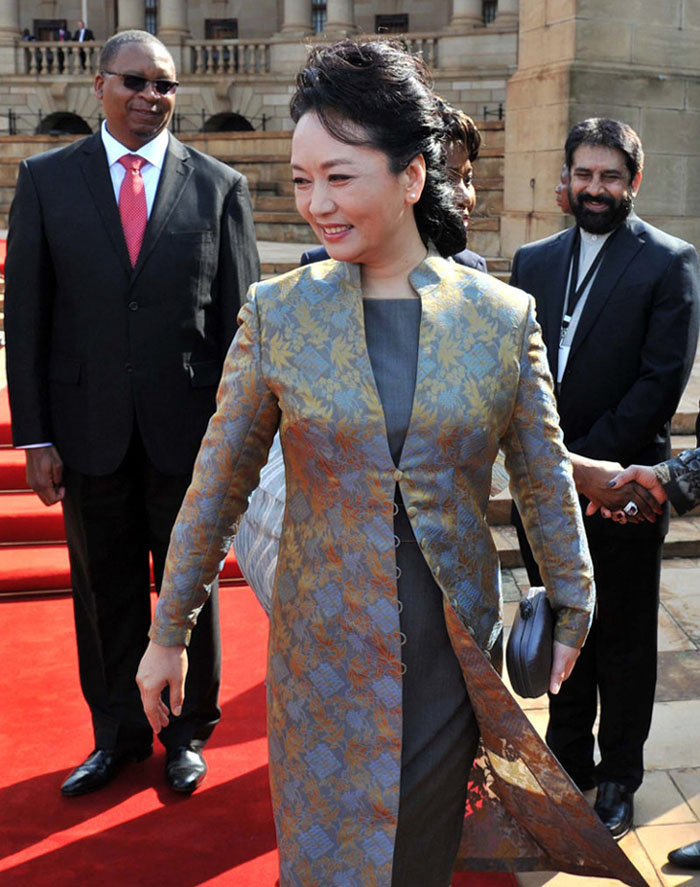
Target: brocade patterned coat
[{"x": 300, "y": 363}]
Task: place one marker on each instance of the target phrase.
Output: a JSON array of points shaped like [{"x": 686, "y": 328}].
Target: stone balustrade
[
  {"x": 52, "y": 58},
  {"x": 228, "y": 57},
  {"x": 55, "y": 58}
]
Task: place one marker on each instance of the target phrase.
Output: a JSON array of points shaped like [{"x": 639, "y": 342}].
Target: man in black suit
[
  {"x": 128, "y": 256},
  {"x": 462, "y": 140},
  {"x": 82, "y": 35},
  {"x": 618, "y": 303}
]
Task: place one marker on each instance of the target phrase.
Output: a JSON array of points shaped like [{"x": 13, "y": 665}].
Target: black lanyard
[{"x": 575, "y": 292}]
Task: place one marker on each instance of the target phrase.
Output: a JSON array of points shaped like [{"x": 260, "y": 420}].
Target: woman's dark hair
[
  {"x": 460, "y": 129},
  {"x": 609, "y": 134},
  {"x": 377, "y": 86}
]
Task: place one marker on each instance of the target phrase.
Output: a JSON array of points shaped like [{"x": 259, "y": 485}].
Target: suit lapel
[
  {"x": 175, "y": 174},
  {"x": 99, "y": 182},
  {"x": 557, "y": 270},
  {"x": 623, "y": 249}
]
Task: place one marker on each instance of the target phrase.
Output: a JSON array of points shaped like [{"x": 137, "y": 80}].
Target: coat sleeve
[
  {"x": 29, "y": 296},
  {"x": 542, "y": 485},
  {"x": 239, "y": 264},
  {"x": 227, "y": 469},
  {"x": 665, "y": 363},
  {"x": 680, "y": 478}
]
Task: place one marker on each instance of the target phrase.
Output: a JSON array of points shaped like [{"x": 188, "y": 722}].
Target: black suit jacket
[
  {"x": 466, "y": 257},
  {"x": 94, "y": 345},
  {"x": 88, "y": 35},
  {"x": 633, "y": 349}
]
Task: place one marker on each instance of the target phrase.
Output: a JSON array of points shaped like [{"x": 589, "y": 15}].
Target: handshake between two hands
[{"x": 611, "y": 490}]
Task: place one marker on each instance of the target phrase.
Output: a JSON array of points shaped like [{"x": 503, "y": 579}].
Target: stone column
[
  {"x": 172, "y": 28},
  {"x": 9, "y": 32},
  {"x": 297, "y": 17},
  {"x": 341, "y": 17},
  {"x": 131, "y": 15},
  {"x": 466, "y": 14},
  {"x": 507, "y": 12}
]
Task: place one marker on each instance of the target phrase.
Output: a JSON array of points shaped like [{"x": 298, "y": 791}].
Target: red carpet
[{"x": 33, "y": 555}]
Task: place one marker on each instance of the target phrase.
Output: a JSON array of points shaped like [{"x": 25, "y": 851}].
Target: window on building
[
  {"x": 151, "y": 18},
  {"x": 489, "y": 11},
  {"x": 391, "y": 24},
  {"x": 221, "y": 29},
  {"x": 48, "y": 28},
  {"x": 319, "y": 16}
]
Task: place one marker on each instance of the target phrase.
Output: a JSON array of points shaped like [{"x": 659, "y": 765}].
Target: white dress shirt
[
  {"x": 153, "y": 152},
  {"x": 590, "y": 246}
]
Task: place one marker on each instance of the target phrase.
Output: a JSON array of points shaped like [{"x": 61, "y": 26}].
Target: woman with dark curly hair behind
[{"x": 393, "y": 375}]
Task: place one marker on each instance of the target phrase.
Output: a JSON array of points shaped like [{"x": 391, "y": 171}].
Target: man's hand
[
  {"x": 162, "y": 667},
  {"x": 593, "y": 479},
  {"x": 563, "y": 660},
  {"x": 45, "y": 473}
]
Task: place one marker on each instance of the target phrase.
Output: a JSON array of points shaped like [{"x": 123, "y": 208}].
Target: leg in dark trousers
[
  {"x": 617, "y": 663},
  {"x": 113, "y": 522}
]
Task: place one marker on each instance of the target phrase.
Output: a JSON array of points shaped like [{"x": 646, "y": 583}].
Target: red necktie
[{"x": 132, "y": 204}]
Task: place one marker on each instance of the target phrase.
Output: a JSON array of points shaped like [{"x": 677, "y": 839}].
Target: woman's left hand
[{"x": 563, "y": 661}]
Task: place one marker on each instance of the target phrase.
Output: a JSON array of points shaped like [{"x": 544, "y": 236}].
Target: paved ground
[{"x": 667, "y": 806}]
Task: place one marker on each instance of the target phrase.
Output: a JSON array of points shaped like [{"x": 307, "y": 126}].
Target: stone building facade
[
  {"x": 235, "y": 59},
  {"x": 543, "y": 63}
]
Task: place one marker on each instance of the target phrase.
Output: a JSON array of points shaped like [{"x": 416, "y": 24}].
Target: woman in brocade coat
[{"x": 393, "y": 376}]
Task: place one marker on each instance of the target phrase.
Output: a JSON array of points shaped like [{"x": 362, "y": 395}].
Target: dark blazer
[
  {"x": 88, "y": 35},
  {"x": 633, "y": 349},
  {"x": 466, "y": 257},
  {"x": 94, "y": 345}
]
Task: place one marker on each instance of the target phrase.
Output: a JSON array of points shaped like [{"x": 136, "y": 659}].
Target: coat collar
[
  {"x": 176, "y": 171},
  {"x": 627, "y": 243}
]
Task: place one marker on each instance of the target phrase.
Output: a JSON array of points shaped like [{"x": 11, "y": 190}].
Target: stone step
[{"x": 683, "y": 540}]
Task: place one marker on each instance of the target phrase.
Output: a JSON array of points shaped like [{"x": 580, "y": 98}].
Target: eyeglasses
[{"x": 137, "y": 83}]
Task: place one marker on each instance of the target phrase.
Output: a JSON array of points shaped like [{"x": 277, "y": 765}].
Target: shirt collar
[
  {"x": 588, "y": 239},
  {"x": 153, "y": 151}
]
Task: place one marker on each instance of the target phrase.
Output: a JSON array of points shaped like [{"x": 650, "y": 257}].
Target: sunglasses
[{"x": 137, "y": 83}]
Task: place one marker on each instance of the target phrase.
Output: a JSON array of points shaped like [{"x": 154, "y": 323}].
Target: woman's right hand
[
  {"x": 159, "y": 668},
  {"x": 563, "y": 661}
]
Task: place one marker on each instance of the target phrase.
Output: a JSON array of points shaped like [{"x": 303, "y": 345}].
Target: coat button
[
  {"x": 133, "y": 306},
  {"x": 129, "y": 368},
  {"x": 411, "y": 511},
  {"x": 398, "y": 475},
  {"x": 423, "y": 542},
  {"x": 436, "y": 571}
]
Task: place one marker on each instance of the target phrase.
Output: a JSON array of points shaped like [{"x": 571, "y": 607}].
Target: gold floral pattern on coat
[{"x": 300, "y": 363}]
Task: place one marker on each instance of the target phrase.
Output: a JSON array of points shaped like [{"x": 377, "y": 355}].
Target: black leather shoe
[
  {"x": 687, "y": 857},
  {"x": 100, "y": 768},
  {"x": 615, "y": 808},
  {"x": 185, "y": 769}
]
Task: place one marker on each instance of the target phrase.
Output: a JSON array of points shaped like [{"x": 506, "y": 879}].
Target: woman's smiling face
[{"x": 358, "y": 208}]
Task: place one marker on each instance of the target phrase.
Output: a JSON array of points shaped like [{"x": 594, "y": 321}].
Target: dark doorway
[
  {"x": 227, "y": 121},
  {"x": 63, "y": 123}
]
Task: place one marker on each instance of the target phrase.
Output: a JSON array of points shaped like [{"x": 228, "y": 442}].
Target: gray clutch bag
[{"x": 529, "y": 648}]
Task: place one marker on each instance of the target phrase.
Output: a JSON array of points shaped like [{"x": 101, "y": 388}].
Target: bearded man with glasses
[{"x": 128, "y": 256}]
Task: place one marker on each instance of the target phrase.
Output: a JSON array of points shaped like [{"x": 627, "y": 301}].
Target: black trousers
[
  {"x": 617, "y": 665},
  {"x": 114, "y": 523}
]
